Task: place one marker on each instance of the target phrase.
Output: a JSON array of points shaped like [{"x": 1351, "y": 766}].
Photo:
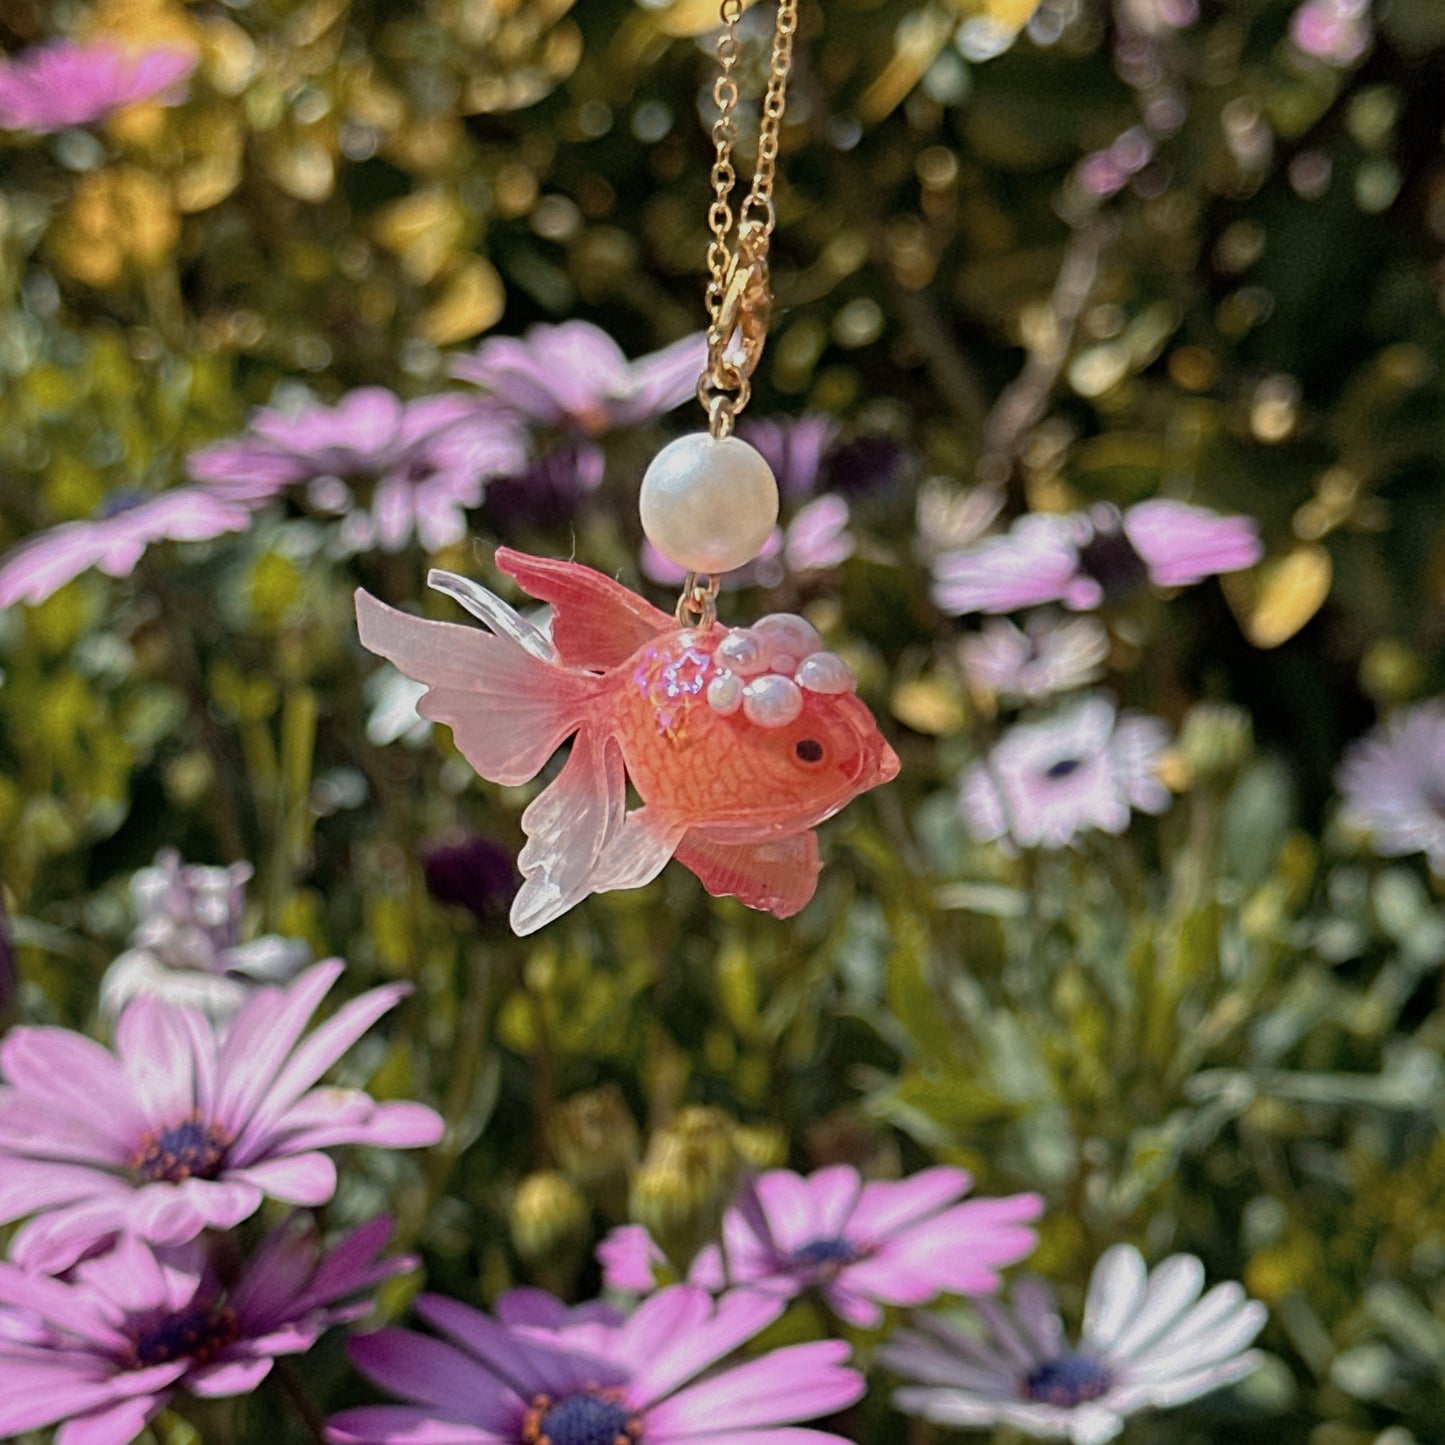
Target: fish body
[{"x": 738, "y": 741}]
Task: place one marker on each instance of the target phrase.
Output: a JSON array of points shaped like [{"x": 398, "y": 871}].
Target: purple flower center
[
  {"x": 1110, "y": 559},
  {"x": 420, "y": 467},
  {"x": 590, "y": 1417},
  {"x": 1063, "y": 768},
  {"x": 193, "y": 1149},
  {"x": 824, "y": 1258},
  {"x": 200, "y": 1333},
  {"x": 1067, "y": 1381}
]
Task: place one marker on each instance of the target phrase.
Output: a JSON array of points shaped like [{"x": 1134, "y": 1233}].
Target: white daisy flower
[
  {"x": 1393, "y": 783},
  {"x": 1084, "y": 767},
  {"x": 1149, "y": 1341},
  {"x": 186, "y": 946}
]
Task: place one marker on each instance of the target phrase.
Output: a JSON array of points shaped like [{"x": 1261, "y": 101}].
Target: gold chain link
[
  {"x": 724, "y": 136},
  {"x": 738, "y": 294}
]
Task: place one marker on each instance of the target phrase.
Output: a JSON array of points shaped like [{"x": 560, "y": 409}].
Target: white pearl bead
[
  {"x": 786, "y": 636},
  {"x": 772, "y": 701},
  {"x": 708, "y": 505},
  {"x": 725, "y": 694},
  {"x": 825, "y": 672},
  {"x": 742, "y": 652}
]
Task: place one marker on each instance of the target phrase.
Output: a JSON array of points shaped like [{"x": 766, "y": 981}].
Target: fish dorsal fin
[
  {"x": 597, "y": 622},
  {"x": 486, "y": 606}
]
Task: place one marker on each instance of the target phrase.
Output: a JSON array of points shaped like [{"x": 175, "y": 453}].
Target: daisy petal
[
  {"x": 388, "y": 1424},
  {"x": 1173, "y": 1287},
  {"x": 678, "y": 1333},
  {"x": 262, "y": 1035},
  {"x": 796, "y": 1382},
  {"x": 1116, "y": 1289},
  {"x": 116, "y": 1425},
  {"x": 313, "y": 1056},
  {"x": 886, "y": 1206}
]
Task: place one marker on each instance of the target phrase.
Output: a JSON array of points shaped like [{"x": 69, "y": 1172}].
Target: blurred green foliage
[{"x": 1222, "y": 1033}]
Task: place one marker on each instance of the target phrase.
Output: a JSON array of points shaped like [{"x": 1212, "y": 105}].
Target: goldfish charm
[{"x": 738, "y": 741}]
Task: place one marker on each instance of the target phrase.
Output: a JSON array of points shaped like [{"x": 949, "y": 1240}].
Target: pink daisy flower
[
  {"x": 575, "y": 376},
  {"x": 184, "y": 1128},
  {"x": 1083, "y": 768},
  {"x": 862, "y": 1246},
  {"x": 53, "y": 87},
  {"x": 795, "y": 447},
  {"x": 574, "y": 381},
  {"x": 116, "y": 539},
  {"x": 651, "y": 1377},
  {"x": 102, "y": 1354},
  {"x": 1080, "y": 558},
  {"x": 427, "y": 462}
]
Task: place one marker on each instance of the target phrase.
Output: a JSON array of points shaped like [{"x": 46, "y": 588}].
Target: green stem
[
  {"x": 294, "y": 818},
  {"x": 311, "y": 1417},
  {"x": 470, "y": 1054},
  {"x": 544, "y": 1076}
]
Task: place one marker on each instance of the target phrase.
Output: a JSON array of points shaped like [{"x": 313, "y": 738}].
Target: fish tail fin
[{"x": 508, "y": 702}]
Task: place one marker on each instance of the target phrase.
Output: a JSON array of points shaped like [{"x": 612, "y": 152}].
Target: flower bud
[
  {"x": 1390, "y": 673},
  {"x": 761, "y": 1146},
  {"x": 476, "y": 874},
  {"x": 1215, "y": 739},
  {"x": 551, "y": 1223},
  {"x": 597, "y": 1143},
  {"x": 686, "y": 1181}
]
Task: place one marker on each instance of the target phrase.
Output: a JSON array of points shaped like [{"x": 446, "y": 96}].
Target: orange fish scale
[{"x": 682, "y": 755}]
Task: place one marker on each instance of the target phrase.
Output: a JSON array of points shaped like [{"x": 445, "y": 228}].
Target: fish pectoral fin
[
  {"x": 596, "y": 621},
  {"x": 639, "y": 851},
  {"x": 569, "y": 826},
  {"x": 777, "y": 875}
]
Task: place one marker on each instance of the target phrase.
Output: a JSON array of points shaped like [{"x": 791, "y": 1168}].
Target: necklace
[
  {"x": 738, "y": 297},
  {"x": 738, "y": 740},
  {"x": 709, "y": 500}
]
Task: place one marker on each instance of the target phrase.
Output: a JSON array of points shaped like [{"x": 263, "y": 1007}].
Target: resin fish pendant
[{"x": 737, "y": 740}]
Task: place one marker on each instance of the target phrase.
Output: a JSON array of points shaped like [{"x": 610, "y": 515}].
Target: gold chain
[{"x": 738, "y": 295}]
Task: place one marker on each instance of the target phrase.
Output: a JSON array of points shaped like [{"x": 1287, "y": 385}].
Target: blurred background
[{"x": 1028, "y": 259}]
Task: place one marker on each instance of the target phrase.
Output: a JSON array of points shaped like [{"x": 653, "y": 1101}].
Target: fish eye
[{"x": 810, "y": 750}]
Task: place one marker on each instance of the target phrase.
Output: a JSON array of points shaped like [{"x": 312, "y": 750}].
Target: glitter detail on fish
[{"x": 737, "y": 740}]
